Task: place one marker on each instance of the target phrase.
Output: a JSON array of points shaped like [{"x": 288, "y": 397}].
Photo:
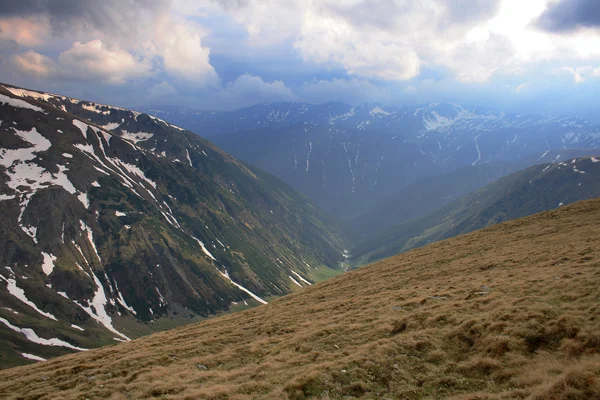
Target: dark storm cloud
[
  {"x": 116, "y": 16},
  {"x": 569, "y": 15}
]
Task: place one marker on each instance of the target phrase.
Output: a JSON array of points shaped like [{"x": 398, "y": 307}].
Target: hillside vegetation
[{"x": 507, "y": 312}]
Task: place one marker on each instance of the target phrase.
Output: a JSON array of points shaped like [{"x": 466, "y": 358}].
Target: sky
[{"x": 524, "y": 56}]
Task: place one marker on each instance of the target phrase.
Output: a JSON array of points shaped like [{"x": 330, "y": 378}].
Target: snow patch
[
  {"x": 11, "y": 286},
  {"x": 83, "y": 127},
  {"x": 122, "y": 301},
  {"x": 17, "y": 103},
  {"x": 204, "y": 249},
  {"x": 99, "y": 305},
  {"x": 255, "y": 297},
  {"x": 295, "y": 281},
  {"x": 84, "y": 199},
  {"x": 48, "y": 264},
  {"x": 32, "y": 357},
  {"x": 301, "y": 278},
  {"x": 33, "y": 337},
  {"x": 136, "y": 136},
  {"x": 111, "y": 126}
]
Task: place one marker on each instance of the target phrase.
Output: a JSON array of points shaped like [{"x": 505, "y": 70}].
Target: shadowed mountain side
[{"x": 526, "y": 192}]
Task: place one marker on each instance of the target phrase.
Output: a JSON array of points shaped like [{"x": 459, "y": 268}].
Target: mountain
[
  {"x": 502, "y": 313},
  {"x": 449, "y": 134},
  {"x": 535, "y": 189},
  {"x": 117, "y": 224},
  {"x": 343, "y": 170},
  {"x": 349, "y": 159},
  {"x": 428, "y": 194}
]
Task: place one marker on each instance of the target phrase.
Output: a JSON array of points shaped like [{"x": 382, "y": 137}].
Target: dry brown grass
[{"x": 510, "y": 312}]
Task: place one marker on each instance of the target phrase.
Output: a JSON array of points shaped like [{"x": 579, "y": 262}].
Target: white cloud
[
  {"x": 521, "y": 87},
  {"x": 249, "y": 89},
  {"x": 387, "y": 40},
  {"x": 580, "y": 74},
  {"x": 326, "y": 39},
  {"x": 179, "y": 44},
  {"x": 395, "y": 40},
  {"x": 161, "y": 91},
  {"x": 354, "y": 91},
  {"x": 95, "y": 60},
  {"x": 34, "y": 64}
]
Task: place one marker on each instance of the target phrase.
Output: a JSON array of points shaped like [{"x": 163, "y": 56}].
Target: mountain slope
[
  {"x": 343, "y": 170},
  {"x": 526, "y": 192},
  {"x": 109, "y": 235},
  {"x": 428, "y": 194},
  {"x": 502, "y": 313},
  {"x": 425, "y": 196},
  {"x": 349, "y": 159}
]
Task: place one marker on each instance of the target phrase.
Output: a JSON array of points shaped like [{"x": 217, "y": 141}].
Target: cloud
[
  {"x": 179, "y": 44},
  {"x": 570, "y": 15},
  {"x": 92, "y": 61},
  {"x": 521, "y": 87},
  {"x": 34, "y": 64},
  {"x": 27, "y": 32},
  {"x": 384, "y": 40},
  {"x": 478, "y": 61},
  {"x": 161, "y": 91},
  {"x": 327, "y": 39},
  {"x": 114, "y": 40},
  {"x": 95, "y": 60},
  {"x": 353, "y": 91},
  {"x": 120, "y": 20},
  {"x": 580, "y": 74},
  {"x": 248, "y": 89}
]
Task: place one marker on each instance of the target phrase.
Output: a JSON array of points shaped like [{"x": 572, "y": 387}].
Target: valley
[
  {"x": 506, "y": 312},
  {"x": 328, "y": 200},
  {"x": 119, "y": 225}
]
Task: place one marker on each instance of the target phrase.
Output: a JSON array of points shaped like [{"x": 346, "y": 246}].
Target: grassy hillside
[
  {"x": 507, "y": 312},
  {"x": 532, "y": 190}
]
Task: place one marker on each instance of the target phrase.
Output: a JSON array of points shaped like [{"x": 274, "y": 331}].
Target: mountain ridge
[
  {"x": 109, "y": 233},
  {"x": 397, "y": 145},
  {"x": 532, "y": 190}
]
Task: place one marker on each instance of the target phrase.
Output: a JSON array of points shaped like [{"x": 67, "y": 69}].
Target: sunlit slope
[{"x": 510, "y": 311}]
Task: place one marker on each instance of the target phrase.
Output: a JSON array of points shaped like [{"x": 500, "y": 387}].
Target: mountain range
[
  {"x": 117, "y": 224},
  {"x": 348, "y": 159}
]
